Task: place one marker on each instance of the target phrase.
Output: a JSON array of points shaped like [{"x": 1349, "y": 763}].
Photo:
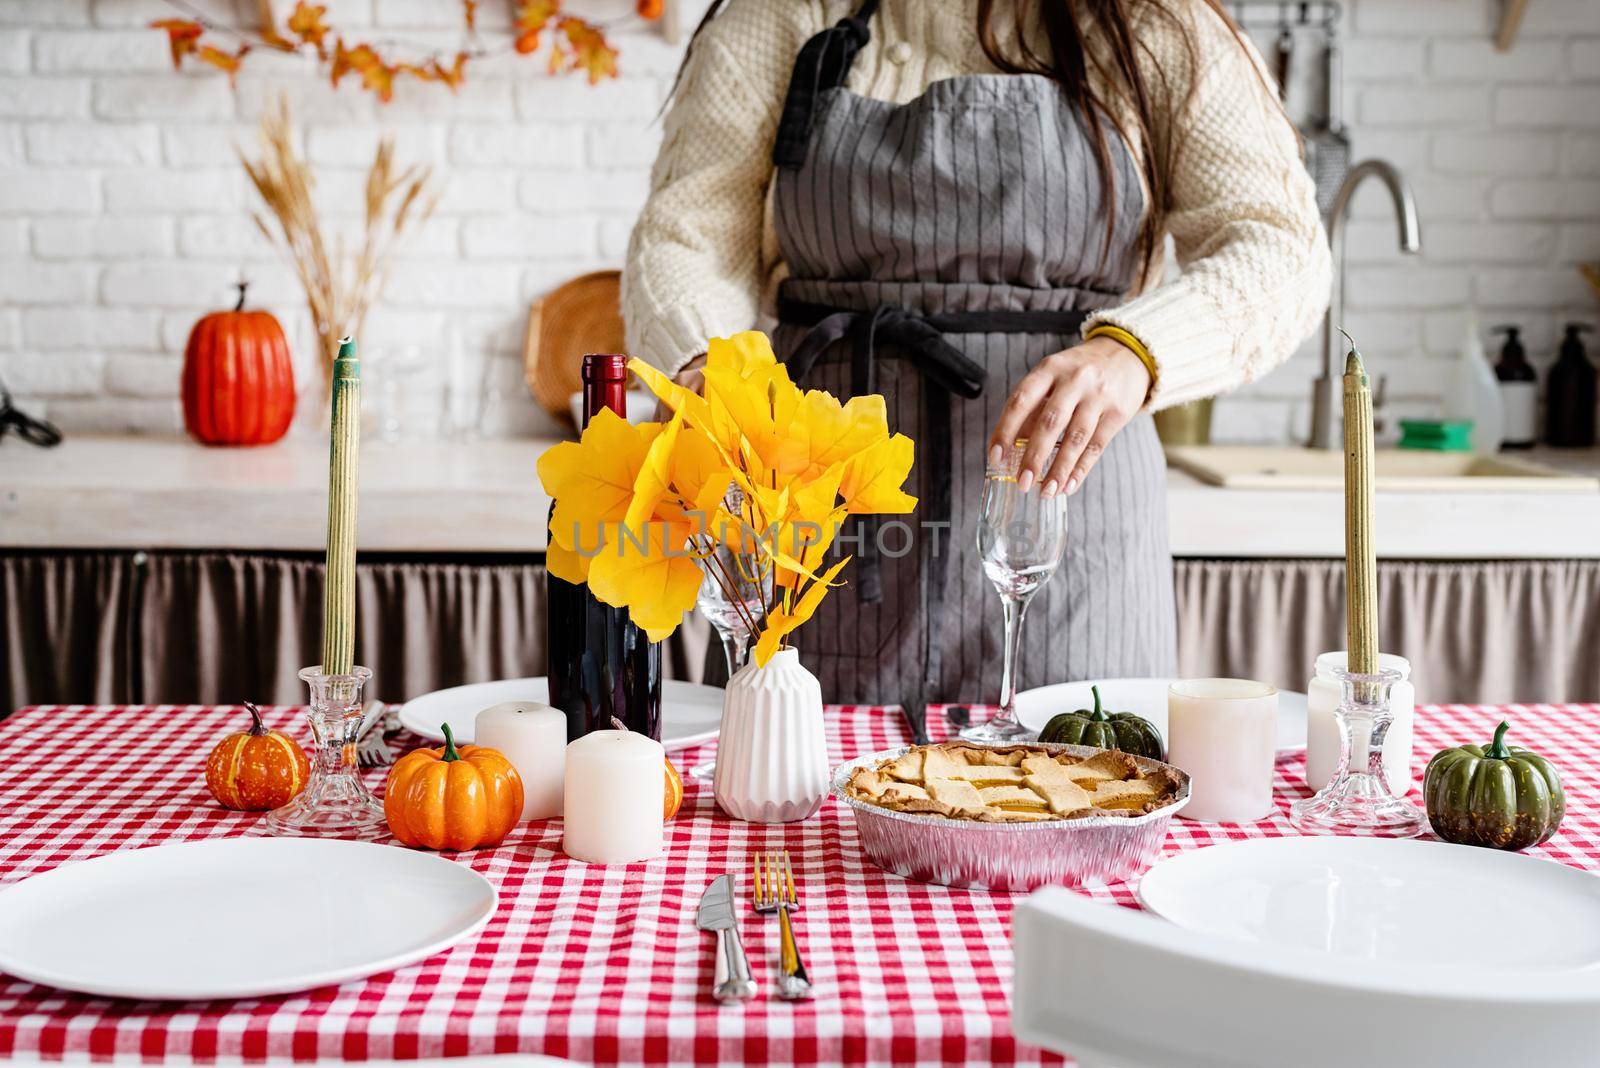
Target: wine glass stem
[
  {"x": 733, "y": 649},
  {"x": 1014, "y": 608}
]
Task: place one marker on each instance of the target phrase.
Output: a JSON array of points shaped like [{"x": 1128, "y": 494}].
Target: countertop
[
  {"x": 171, "y": 493},
  {"x": 460, "y": 497}
]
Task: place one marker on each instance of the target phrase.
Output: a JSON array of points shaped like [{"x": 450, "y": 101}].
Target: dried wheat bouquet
[{"x": 340, "y": 286}]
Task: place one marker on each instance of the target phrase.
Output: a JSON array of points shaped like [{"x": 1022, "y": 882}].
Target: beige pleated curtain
[
  {"x": 208, "y": 628},
  {"x": 227, "y": 627},
  {"x": 1490, "y": 631}
]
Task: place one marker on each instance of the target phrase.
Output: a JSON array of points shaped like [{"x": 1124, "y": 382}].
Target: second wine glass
[
  {"x": 1021, "y": 538},
  {"x": 731, "y": 598}
]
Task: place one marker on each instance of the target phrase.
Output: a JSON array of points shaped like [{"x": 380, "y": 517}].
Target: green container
[{"x": 1440, "y": 435}]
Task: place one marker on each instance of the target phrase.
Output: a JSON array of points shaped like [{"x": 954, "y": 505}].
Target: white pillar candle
[
  {"x": 1224, "y": 733},
  {"x": 616, "y": 782},
  {"x": 1323, "y": 737},
  {"x": 533, "y": 736}
]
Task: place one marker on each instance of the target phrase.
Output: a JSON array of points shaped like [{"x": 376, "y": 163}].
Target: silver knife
[{"x": 733, "y": 981}]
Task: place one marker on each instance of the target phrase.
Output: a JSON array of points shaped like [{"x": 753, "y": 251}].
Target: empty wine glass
[
  {"x": 727, "y": 572},
  {"x": 731, "y": 598},
  {"x": 1021, "y": 537}
]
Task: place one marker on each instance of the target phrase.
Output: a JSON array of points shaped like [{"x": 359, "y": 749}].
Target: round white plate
[
  {"x": 236, "y": 917},
  {"x": 1405, "y": 902},
  {"x": 1147, "y": 698},
  {"x": 690, "y": 713}
]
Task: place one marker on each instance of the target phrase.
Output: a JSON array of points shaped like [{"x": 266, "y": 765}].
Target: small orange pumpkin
[
  {"x": 450, "y": 798},
  {"x": 256, "y": 769},
  {"x": 674, "y": 797}
]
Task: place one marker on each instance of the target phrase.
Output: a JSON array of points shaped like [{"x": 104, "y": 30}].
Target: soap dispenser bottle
[
  {"x": 1570, "y": 394},
  {"x": 1519, "y": 392},
  {"x": 1474, "y": 395}
]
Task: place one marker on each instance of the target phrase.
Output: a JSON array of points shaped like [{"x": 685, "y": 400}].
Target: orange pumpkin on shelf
[
  {"x": 453, "y": 798},
  {"x": 238, "y": 383},
  {"x": 256, "y": 769},
  {"x": 674, "y": 798}
]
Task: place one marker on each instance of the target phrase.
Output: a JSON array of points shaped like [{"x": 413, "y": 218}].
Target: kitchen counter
[
  {"x": 171, "y": 493},
  {"x": 1210, "y": 521},
  {"x": 457, "y": 497}
]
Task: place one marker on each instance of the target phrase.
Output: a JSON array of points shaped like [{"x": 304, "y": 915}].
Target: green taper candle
[
  {"x": 339, "y": 593},
  {"x": 1360, "y": 557}
]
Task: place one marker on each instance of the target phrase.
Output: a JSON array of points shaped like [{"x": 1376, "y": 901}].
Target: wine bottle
[{"x": 601, "y": 665}]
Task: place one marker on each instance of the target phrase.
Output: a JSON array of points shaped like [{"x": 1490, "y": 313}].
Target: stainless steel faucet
[{"x": 1325, "y": 391}]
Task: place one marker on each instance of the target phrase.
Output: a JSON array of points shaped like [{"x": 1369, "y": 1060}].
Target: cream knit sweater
[{"x": 1254, "y": 261}]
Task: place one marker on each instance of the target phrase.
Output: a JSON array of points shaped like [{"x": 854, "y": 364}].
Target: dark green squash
[
  {"x": 1496, "y": 795},
  {"x": 1103, "y": 730}
]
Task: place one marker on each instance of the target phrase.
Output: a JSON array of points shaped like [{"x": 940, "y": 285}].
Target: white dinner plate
[
  {"x": 690, "y": 713},
  {"x": 1406, "y": 902},
  {"x": 1147, "y": 698},
  {"x": 236, "y": 917}
]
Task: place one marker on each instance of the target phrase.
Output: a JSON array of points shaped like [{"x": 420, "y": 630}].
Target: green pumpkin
[
  {"x": 1496, "y": 795},
  {"x": 1103, "y": 730}
]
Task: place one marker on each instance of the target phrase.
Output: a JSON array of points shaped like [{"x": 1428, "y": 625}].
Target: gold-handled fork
[{"x": 772, "y": 889}]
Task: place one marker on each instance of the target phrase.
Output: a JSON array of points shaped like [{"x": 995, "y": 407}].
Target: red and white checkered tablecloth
[{"x": 601, "y": 964}]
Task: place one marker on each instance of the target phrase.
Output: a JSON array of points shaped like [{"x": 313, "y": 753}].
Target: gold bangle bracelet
[{"x": 1133, "y": 345}]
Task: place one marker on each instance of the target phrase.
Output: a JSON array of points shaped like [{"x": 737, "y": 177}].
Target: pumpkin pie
[{"x": 1012, "y": 784}]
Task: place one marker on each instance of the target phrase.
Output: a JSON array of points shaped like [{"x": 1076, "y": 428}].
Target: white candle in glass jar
[
  {"x": 1323, "y": 695},
  {"x": 1224, "y": 734},
  {"x": 533, "y": 736},
  {"x": 616, "y": 782}
]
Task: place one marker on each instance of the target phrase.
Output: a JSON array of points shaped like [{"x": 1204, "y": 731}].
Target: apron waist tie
[{"x": 949, "y": 372}]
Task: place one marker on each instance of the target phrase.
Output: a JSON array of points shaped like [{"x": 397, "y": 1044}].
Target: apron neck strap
[{"x": 823, "y": 63}]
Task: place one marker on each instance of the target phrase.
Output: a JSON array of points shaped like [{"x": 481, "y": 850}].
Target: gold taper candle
[
  {"x": 1361, "y": 562},
  {"x": 339, "y": 592}
]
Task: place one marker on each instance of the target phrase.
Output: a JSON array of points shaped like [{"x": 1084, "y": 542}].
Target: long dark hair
[{"x": 1117, "y": 66}]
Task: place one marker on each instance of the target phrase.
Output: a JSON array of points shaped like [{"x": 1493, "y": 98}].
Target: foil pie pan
[{"x": 1015, "y": 857}]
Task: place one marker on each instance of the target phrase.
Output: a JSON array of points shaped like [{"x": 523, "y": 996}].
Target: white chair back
[{"x": 1123, "y": 989}]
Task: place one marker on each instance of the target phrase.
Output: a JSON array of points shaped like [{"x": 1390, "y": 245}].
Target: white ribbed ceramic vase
[{"x": 772, "y": 755}]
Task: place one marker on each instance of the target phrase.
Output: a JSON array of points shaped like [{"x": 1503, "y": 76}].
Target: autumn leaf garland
[
  {"x": 637, "y": 508},
  {"x": 183, "y": 39},
  {"x": 575, "y": 44}
]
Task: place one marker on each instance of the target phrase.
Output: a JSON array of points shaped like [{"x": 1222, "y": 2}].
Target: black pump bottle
[{"x": 1570, "y": 394}]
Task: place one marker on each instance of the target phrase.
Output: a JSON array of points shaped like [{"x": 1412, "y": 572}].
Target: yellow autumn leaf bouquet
[{"x": 754, "y": 464}]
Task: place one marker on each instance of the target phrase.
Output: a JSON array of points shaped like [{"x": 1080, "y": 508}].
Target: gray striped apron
[{"x": 937, "y": 251}]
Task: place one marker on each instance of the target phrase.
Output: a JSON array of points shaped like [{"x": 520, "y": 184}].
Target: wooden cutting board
[{"x": 577, "y": 317}]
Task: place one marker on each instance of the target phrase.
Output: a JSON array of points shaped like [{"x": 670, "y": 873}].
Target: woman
[{"x": 962, "y": 205}]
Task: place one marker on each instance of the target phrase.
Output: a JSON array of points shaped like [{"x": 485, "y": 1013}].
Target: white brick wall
[
  {"x": 123, "y": 214},
  {"x": 1501, "y": 151}
]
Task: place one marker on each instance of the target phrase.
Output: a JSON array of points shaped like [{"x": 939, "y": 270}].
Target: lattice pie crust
[{"x": 1012, "y": 784}]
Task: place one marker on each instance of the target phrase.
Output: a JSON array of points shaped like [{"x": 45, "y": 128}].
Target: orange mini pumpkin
[
  {"x": 256, "y": 769},
  {"x": 674, "y": 798},
  {"x": 451, "y": 798}
]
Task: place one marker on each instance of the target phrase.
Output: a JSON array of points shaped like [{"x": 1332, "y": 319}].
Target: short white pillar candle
[
  {"x": 1224, "y": 733},
  {"x": 533, "y": 736},
  {"x": 616, "y": 782}
]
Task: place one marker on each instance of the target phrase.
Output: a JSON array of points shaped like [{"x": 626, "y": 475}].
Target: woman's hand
[
  {"x": 691, "y": 376},
  {"x": 1079, "y": 397}
]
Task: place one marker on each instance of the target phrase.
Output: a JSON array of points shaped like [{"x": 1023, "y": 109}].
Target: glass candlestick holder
[
  {"x": 335, "y": 802},
  {"x": 1357, "y": 800}
]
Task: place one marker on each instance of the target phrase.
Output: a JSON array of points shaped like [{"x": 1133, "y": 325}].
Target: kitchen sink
[{"x": 1295, "y": 468}]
